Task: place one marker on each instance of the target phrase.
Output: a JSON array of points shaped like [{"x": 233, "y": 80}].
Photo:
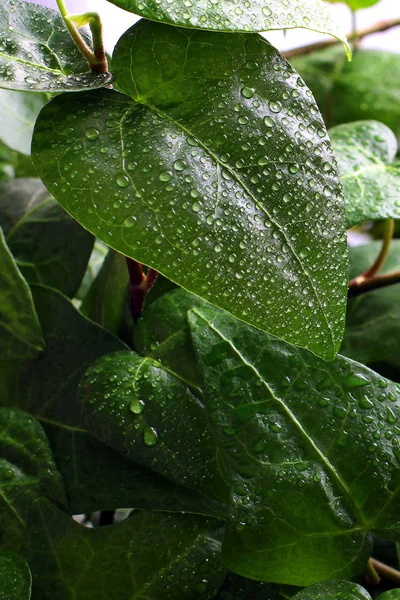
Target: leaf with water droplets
[
  {"x": 286, "y": 424},
  {"x": 364, "y": 151},
  {"x": 18, "y": 112},
  {"x": 27, "y": 472},
  {"x": 374, "y": 316},
  {"x": 38, "y": 54},
  {"x": 154, "y": 556},
  {"x": 20, "y": 333},
  {"x": 15, "y": 577},
  {"x": 239, "y": 15},
  {"x": 333, "y": 590},
  {"x": 48, "y": 246},
  {"x": 235, "y": 198}
]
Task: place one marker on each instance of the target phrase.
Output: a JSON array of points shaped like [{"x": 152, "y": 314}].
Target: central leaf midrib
[
  {"x": 291, "y": 416},
  {"x": 251, "y": 195}
]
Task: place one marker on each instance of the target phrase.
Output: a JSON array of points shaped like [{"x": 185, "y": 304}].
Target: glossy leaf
[
  {"x": 27, "y": 472},
  {"x": 334, "y": 590},
  {"x": 94, "y": 266},
  {"x": 15, "y": 577},
  {"x": 240, "y": 588},
  {"x": 373, "y": 319},
  {"x": 38, "y": 54},
  {"x": 154, "y": 556},
  {"x": 364, "y": 151},
  {"x": 149, "y": 414},
  {"x": 356, "y": 4},
  {"x": 236, "y": 210},
  {"x": 285, "y": 424},
  {"x": 48, "y": 246},
  {"x": 391, "y": 595},
  {"x": 18, "y": 112},
  {"x": 225, "y": 15},
  {"x": 20, "y": 334}
]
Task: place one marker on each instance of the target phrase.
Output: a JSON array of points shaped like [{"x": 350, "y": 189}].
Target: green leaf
[
  {"x": 334, "y": 590},
  {"x": 38, "y": 54},
  {"x": 356, "y": 4},
  {"x": 149, "y": 414},
  {"x": 106, "y": 302},
  {"x": 285, "y": 424},
  {"x": 154, "y": 556},
  {"x": 240, "y": 588},
  {"x": 203, "y": 179},
  {"x": 223, "y": 15},
  {"x": 373, "y": 319},
  {"x": 18, "y": 112},
  {"x": 362, "y": 89},
  {"x": 364, "y": 151},
  {"x": 390, "y": 595},
  {"x": 97, "y": 477},
  {"x": 48, "y": 246},
  {"x": 15, "y": 577},
  {"x": 27, "y": 472},
  {"x": 20, "y": 334},
  {"x": 94, "y": 266}
]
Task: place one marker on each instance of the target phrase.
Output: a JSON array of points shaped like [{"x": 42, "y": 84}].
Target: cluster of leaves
[{"x": 252, "y": 457}]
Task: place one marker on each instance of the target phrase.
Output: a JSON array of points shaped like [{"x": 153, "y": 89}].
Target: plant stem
[
  {"x": 387, "y": 572},
  {"x": 96, "y": 60},
  {"x": 371, "y": 573},
  {"x": 359, "y": 35},
  {"x": 354, "y": 37},
  {"x": 374, "y": 284},
  {"x": 140, "y": 285}
]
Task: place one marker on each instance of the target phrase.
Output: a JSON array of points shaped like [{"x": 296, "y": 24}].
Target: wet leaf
[
  {"x": 235, "y": 210},
  {"x": 48, "y": 246},
  {"x": 20, "y": 334},
  {"x": 334, "y": 590},
  {"x": 18, "y": 112},
  {"x": 364, "y": 151},
  {"x": 27, "y": 472},
  {"x": 38, "y": 54},
  {"x": 223, "y": 15},
  {"x": 154, "y": 556},
  {"x": 356, "y": 4},
  {"x": 15, "y": 577}
]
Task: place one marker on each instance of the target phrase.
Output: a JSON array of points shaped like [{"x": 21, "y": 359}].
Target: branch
[
  {"x": 386, "y": 572},
  {"x": 373, "y": 284},
  {"x": 140, "y": 285},
  {"x": 358, "y": 35}
]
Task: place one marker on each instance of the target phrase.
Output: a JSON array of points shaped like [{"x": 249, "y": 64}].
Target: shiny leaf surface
[
  {"x": 15, "y": 577},
  {"x": 334, "y": 590},
  {"x": 238, "y": 209}
]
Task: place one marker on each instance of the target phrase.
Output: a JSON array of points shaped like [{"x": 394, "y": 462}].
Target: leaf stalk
[{"x": 140, "y": 285}]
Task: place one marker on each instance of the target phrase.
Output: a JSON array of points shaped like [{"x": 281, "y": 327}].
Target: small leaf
[
  {"x": 49, "y": 247},
  {"x": 364, "y": 151},
  {"x": 20, "y": 334},
  {"x": 18, "y": 112},
  {"x": 38, "y": 54},
  {"x": 154, "y": 556},
  {"x": 27, "y": 472},
  {"x": 356, "y": 4},
  {"x": 259, "y": 15},
  {"x": 390, "y": 595},
  {"x": 15, "y": 577},
  {"x": 334, "y": 590},
  {"x": 374, "y": 316},
  {"x": 228, "y": 212}
]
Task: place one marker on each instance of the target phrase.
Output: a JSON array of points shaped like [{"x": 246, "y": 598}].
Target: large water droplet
[
  {"x": 355, "y": 380},
  {"x": 150, "y": 436}
]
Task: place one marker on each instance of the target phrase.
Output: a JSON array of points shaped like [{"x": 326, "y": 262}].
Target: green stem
[{"x": 371, "y": 573}]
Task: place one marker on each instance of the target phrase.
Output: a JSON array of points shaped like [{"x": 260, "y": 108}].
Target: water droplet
[
  {"x": 136, "y": 406},
  {"x": 179, "y": 165},
  {"x": 275, "y": 107},
  {"x": 248, "y": 92},
  {"x": 150, "y": 436},
  {"x": 31, "y": 79},
  {"x": 122, "y": 180},
  {"x": 165, "y": 176},
  {"x": 92, "y": 133},
  {"x": 269, "y": 122},
  {"x": 355, "y": 380}
]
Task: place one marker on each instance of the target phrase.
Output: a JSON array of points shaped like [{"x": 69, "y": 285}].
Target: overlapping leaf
[
  {"x": 15, "y": 577},
  {"x": 49, "y": 247},
  {"x": 38, "y": 54},
  {"x": 154, "y": 556},
  {"x": 341, "y": 590},
  {"x": 201, "y": 175},
  {"x": 238, "y": 15},
  {"x": 18, "y": 112},
  {"x": 20, "y": 333},
  {"x": 356, "y": 4},
  {"x": 364, "y": 151}
]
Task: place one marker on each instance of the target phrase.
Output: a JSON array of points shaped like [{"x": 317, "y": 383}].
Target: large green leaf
[
  {"x": 27, "y": 472},
  {"x": 38, "y": 54},
  {"x": 15, "y": 577},
  {"x": 286, "y": 423},
  {"x": 240, "y": 588},
  {"x": 364, "y": 151},
  {"x": 153, "y": 556},
  {"x": 150, "y": 414},
  {"x": 373, "y": 319},
  {"x": 237, "y": 15},
  {"x": 18, "y": 112},
  {"x": 20, "y": 334},
  {"x": 217, "y": 172},
  {"x": 334, "y": 590},
  {"x": 362, "y": 89},
  {"x": 48, "y": 246}
]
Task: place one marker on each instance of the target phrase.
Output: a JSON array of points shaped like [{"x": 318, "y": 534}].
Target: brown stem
[
  {"x": 358, "y": 35},
  {"x": 371, "y": 574},
  {"x": 356, "y": 289},
  {"x": 140, "y": 285},
  {"x": 386, "y": 572}
]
